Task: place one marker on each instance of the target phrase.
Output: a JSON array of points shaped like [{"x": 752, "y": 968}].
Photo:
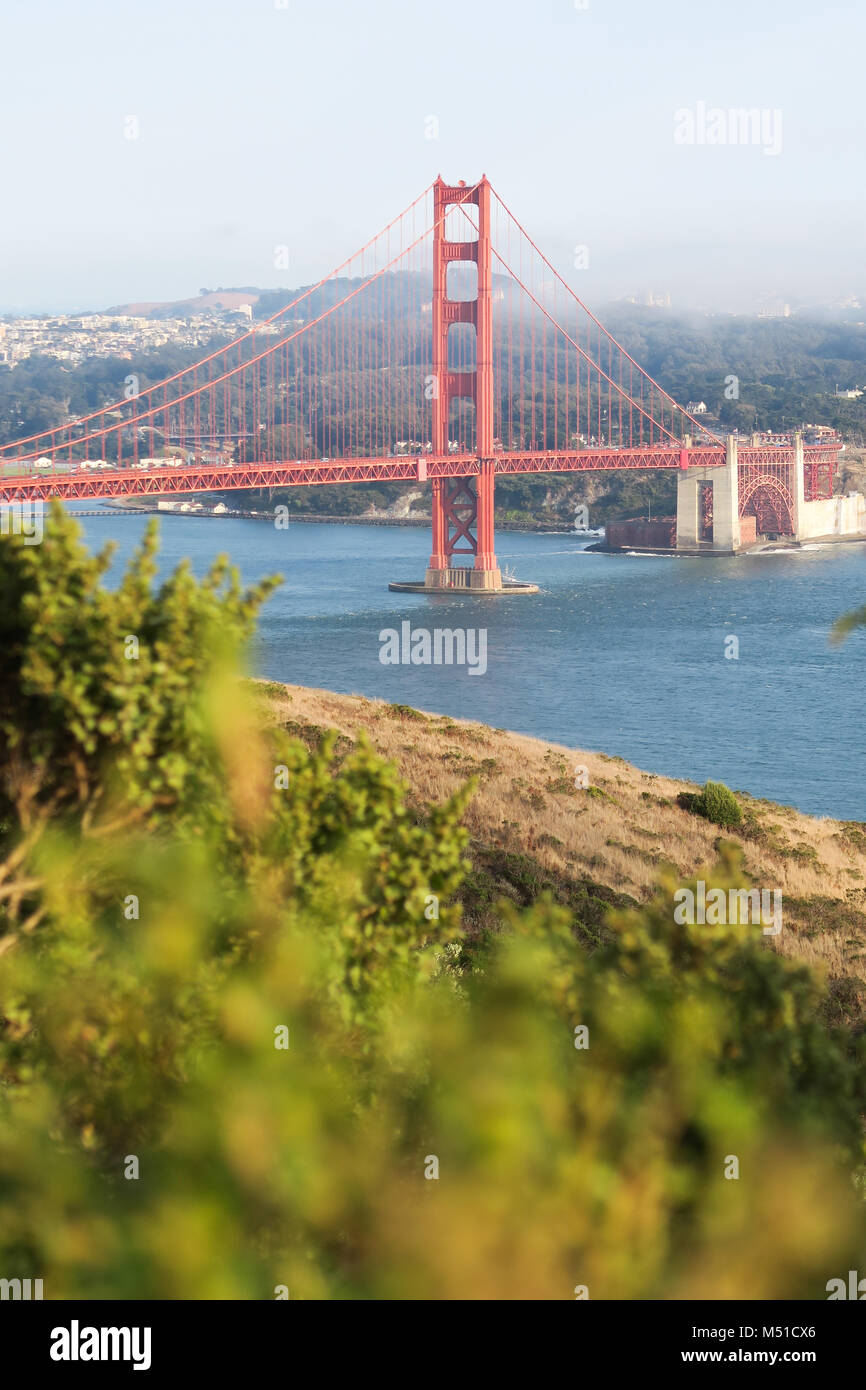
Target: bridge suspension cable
[
  {"x": 340, "y": 381},
  {"x": 302, "y": 394}
]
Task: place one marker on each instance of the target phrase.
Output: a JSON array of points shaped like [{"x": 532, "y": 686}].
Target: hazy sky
[{"x": 306, "y": 125}]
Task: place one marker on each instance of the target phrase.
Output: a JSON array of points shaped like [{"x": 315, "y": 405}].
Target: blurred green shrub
[{"x": 231, "y": 968}]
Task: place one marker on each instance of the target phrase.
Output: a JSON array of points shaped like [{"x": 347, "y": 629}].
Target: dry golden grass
[{"x": 619, "y": 831}]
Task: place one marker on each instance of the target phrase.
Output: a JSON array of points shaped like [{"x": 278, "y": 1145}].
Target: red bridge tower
[{"x": 463, "y": 506}]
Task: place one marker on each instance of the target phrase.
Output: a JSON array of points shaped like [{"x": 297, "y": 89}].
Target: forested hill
[{"x": 786, "y": 369}]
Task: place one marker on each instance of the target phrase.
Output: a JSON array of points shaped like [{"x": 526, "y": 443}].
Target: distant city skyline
[{"x": 715, "y": 156}]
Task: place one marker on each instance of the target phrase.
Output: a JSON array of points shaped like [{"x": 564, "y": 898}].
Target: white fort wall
[{"x": 833, "y": 516}]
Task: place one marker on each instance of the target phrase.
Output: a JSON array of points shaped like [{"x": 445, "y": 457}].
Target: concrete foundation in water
[{"x": 462, "y": 579}]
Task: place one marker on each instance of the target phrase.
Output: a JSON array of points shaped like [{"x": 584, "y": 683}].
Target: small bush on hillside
[
  {"x": 407, "y": 712},
  {"x": 715, "y": 803}
]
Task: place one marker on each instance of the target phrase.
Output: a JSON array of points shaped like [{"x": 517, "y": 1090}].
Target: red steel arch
[{"x": 766, "y": 496}]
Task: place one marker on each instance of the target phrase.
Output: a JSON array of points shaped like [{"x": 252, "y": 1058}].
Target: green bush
[
  {"x": 715, "y": 803},
  {"x": 249, "y": 1082}
]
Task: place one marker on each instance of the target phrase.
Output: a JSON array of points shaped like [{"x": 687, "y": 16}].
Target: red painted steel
[
  {"x": 705, "y": 491},
  {"x": 438, "y": 558},
  {"x": 463, "y": 515},
  {"x": 347, "y": 383},
  {"x": 460, "y": 508},
  {"x": 128, "y": 482}
]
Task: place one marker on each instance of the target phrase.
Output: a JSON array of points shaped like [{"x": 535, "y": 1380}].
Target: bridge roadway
[{"x": 132, "y": 480}]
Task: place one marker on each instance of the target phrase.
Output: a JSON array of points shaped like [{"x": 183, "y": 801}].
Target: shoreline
[
  {"x": 530, "y": 526},
  {"x": 548, "y": 527},
  {"x": 122, "y": 508},
  {"x": 758, "y": 548}
]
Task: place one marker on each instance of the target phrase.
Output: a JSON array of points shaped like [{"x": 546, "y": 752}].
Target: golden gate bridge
[{"x": 447, "y": 350}]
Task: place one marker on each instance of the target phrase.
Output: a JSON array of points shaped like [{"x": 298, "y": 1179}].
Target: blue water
[{"x": 621, "y": 654}]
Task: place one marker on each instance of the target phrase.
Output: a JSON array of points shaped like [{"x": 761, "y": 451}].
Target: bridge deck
[{"x": 128, "y": 481}]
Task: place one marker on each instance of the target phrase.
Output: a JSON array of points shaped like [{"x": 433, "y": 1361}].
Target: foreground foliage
[{"x": 242, "y": 1031}]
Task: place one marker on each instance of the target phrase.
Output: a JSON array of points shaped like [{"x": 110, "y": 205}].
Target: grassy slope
[{"x": 532, "y": 829}]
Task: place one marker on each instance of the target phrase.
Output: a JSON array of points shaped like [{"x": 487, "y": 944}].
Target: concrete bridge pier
[{"x": 723, "y": 484}]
